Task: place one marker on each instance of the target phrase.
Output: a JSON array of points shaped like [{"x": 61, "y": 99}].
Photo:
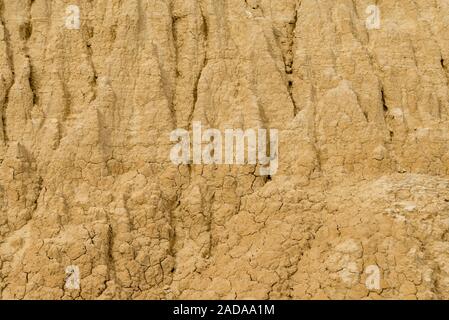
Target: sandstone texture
[{"x": 86, "y": 179}]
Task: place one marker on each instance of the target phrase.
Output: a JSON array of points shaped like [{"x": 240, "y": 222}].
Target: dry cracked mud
[{"x": 86, "y": 179}]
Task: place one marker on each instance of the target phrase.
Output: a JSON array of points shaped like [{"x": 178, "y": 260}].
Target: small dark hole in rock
[{"x": 25, "y": 31}]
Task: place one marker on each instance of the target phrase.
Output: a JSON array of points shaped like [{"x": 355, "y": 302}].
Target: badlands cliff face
[{"x": 92, "y": 207}]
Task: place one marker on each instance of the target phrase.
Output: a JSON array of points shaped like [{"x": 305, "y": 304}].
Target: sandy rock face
[{"x": 93, "y": 207}]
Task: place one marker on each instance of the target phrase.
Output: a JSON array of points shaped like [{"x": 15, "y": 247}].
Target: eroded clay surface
[{"x": 86, "y": 179}]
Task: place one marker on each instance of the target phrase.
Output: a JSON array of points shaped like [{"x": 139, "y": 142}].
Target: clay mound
[{"x": 92, "y": 207}]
